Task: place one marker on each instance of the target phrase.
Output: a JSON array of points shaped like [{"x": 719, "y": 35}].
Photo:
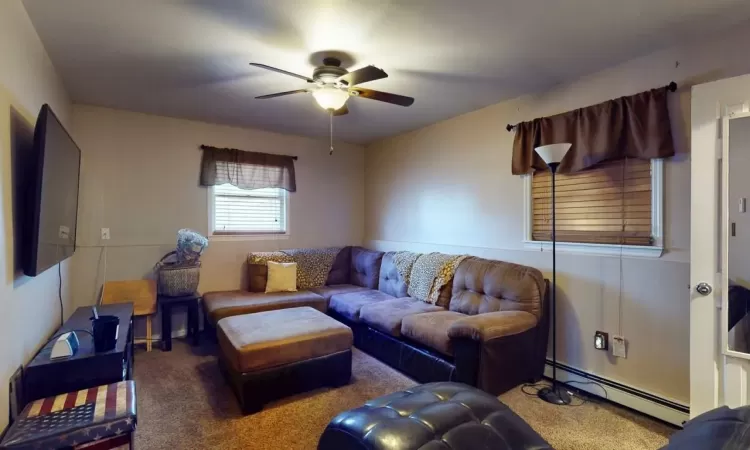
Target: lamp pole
[{"x": 552, "y": 155}]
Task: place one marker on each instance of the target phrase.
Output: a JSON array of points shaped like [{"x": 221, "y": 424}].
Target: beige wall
[
  {"x": 448, "y": 187},
  {"x": 140, "y": 179},
  {"x": 29, "y": 310}
]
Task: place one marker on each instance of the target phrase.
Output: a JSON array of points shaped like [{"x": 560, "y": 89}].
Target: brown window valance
[
  {"x": 246, "y": 170},
  {"x": 628, "y": 127}
]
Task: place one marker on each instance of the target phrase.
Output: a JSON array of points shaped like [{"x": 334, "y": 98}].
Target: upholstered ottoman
[
  {"x": 434, "y": 416},
  {"x": 272, "y": 354}
]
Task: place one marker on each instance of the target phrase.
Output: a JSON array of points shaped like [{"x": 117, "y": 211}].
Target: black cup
[{"x": 105, "y": 333}]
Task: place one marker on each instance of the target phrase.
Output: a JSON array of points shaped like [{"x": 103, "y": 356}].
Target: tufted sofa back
[
  {"x": 391, "y": 281},
  {"x": 482, "y": 285},
  {"x": 365, "y": 267},
  {"x": 341, "y": 267}
]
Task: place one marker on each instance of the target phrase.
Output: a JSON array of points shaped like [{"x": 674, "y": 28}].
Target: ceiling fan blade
[
  {"x": 387, "y": 97},
  {"x": 274, "y": 69},
  {"x": 279, "y": 94},
  {"x": 341, "y": 111},
  {"x": 363, "y": 75}
]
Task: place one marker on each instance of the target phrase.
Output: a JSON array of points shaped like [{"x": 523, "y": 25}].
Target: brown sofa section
[
  {"x": 365, "y": 267},
  {"x": 349, "y": 305},
  {"x": 387, "y": 315},
  {"x": 329, "y": 291},
  {"x": 483, "y": 285},
  {"x": 489, "y": 329},
  {"x": 431, "y": 329},
  {"x": 358, "y": 267},
  {"x": 506, "y": 320},
  {"x": 218, "y": 305}
]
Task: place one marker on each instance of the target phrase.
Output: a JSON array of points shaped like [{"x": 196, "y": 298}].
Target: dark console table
[{"x": 44, "y": 377}]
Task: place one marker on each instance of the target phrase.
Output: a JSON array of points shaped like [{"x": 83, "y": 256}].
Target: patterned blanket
[
  {"x": 404, "y": 261},
  {"x": 262, "y": 258},
  {"x": 430, "y": 273},
  {"x": 313, "y": 265}
]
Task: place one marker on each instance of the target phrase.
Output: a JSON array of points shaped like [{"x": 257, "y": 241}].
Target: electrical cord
[
  {"x": 575, "y": 391},
  {"x": 604, "y": 391},
  {"x": 59, "y": 292}
]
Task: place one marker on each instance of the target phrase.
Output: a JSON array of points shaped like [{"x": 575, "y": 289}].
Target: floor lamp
[{"x": 552, "y": 155}]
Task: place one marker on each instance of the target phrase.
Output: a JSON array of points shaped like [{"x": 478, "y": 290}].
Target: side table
[{"x": 166, "y": 304}]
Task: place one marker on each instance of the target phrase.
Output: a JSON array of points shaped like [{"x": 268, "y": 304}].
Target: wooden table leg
[
  {"x": 148, "y": 333},
  {"x": 166, "y": 328},
  {"x": 193, "y": 322}
]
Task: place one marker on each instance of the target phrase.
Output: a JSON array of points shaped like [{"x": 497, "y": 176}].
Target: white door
[{"x": 720, "y": 124}]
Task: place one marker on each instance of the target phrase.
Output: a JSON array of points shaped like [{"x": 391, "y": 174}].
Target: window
[
  {"x": 236, "y": 211},
  {"x": 614, "y": 208}
]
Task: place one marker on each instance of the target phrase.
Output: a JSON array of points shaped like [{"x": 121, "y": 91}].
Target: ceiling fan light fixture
[{"x": 330, "y": 98}]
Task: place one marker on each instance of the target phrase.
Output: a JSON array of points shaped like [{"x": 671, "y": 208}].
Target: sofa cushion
[
  {"x": 488, "y": 326},
  {"x": 219, "y": 305},
  {"x": 341, "y": 267},
  {"x": 350, "y": 304},
  {"x": 390, "y": 280},
  {"x": 268, "y": 339},
  {"x": 387, "y": 315},
  {"x": 282, "y": 277},
  {"x": 365, "y": 268},
  {"x": 481, "y": 286},
  {"x": 257, "y": 269},
  {"x": 431, "y": 329},
  {"x": 329, "y": 291}
]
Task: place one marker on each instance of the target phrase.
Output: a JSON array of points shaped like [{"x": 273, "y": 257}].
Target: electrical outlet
[
  {"x": 601, "y": 340},
  {"x": 619, "y": 346},
  {"x": 105, "y": 234}
]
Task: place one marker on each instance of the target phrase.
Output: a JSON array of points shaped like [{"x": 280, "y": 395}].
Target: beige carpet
[
  {"x": 595, "y": 425},
  {"x": 183, "y": 403}
]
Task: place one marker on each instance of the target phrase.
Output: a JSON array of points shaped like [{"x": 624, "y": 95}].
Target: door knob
[{"x": 703, "y": 288}]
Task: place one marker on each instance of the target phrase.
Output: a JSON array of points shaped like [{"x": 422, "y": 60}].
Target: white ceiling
[{"x": 189, "y": 58}]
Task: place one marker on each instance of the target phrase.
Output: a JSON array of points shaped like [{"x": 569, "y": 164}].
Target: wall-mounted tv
[{"x": 52, "y": 201}]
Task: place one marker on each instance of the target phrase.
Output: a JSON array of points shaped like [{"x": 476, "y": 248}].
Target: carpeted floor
[{"x": 184, "y": 403}]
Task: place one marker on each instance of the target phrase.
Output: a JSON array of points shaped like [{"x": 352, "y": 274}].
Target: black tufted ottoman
[{"x": 434, "y": 416}]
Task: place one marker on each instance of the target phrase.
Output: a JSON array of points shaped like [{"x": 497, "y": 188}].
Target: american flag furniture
[{"x": 98, "y": 418}]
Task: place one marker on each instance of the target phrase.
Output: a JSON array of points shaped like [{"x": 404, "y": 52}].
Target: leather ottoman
[
  {"x": 434, "y": 416},
  {"x": 269, "y": 355}
]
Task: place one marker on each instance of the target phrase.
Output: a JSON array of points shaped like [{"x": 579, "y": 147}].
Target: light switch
[{"x": 743, "y": 205}]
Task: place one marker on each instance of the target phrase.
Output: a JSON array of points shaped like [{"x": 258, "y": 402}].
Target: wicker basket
[{"x": 175, "y": 279}]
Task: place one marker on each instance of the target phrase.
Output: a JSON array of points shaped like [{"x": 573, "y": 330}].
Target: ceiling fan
[{"x": 334, "y": 85}]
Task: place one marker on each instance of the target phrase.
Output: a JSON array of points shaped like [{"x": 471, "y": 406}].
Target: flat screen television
[{"x": 52, "y": 196}]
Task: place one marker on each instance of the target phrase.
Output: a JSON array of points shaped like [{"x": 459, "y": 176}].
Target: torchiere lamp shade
[{"x": 553, "y": 153}]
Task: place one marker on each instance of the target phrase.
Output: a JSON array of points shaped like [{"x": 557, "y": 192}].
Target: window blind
[
  {"x": 610, "y": 204},
  {"x": 241, "y": 211}
]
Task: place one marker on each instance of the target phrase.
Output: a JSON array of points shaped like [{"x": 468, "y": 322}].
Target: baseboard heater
[{"x": 644, "y": 402}]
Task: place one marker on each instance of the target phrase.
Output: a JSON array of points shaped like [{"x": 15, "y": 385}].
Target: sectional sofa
[{"x": 488, "y": 329}]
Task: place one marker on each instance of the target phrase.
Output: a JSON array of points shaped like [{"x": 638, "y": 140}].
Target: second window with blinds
[
  {"x": 614, "y": 208},
  {"x": 242, "y": 212}
]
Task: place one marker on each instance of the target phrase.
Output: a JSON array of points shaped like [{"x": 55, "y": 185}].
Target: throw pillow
[{"x": 282, "y": 277}]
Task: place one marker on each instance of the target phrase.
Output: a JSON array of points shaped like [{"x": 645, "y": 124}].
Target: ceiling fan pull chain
[{"x": 330, "y": 112}]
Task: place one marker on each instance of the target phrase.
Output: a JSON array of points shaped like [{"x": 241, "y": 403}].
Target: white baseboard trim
[{"x": 647, "y": 403}]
